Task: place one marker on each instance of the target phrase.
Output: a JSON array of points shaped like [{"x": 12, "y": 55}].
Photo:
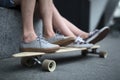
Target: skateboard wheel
[
  {"x": 49, "y": 65},
  {"x": 28, "y": 61},
  {"x": 102, "y": 54}
]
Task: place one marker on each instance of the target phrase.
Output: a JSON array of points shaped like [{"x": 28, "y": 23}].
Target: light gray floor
[{"x": 70, "y": 66}]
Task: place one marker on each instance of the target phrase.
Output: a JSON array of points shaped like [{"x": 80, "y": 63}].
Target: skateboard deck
[
  {"x": 30, "y": 59},
  {"x": 62, "y": 50}
]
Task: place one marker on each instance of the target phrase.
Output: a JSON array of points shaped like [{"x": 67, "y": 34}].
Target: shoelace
[
  {"x": 93, "y": 32},
  {"x": 79, "y": 40},
  {"x": 42, "y": 39}
]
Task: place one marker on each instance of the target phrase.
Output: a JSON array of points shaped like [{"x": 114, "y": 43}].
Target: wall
[
  {"x": 97, "y": 8},
  {"x": 11, "y": 31}
]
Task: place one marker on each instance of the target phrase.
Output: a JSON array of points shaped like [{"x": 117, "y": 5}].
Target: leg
[
  {"x": 65, "y": 26},
  {"x": 46, "y": 8},
  {"x": 27, "y": 8},
  {"x": 75, "y": 30},
  {"x": 59, "y": 24},
  {"x": 46, "y": 15}
]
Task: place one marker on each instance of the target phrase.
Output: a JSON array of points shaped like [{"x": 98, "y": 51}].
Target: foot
[
  {"x": 39, "y": 45},
  {"x": 97, "y": 35},
  {"x": 61, "y": 40},
  {"x": 80, "y": 43}
]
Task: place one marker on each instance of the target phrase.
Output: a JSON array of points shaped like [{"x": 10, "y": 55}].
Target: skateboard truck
[
  {"x": 102, "y": 54},
  {"x": 48, "y": 65}
]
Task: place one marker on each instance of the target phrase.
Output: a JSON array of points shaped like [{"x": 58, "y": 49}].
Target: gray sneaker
[
  {"x": 61, "y": 40},
  {"x": 39, "y": 45},
  {"x": 97, "y": 35}
]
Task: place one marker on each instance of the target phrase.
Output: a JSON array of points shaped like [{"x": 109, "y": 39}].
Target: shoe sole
[
  {"x": 100, "y": 36},
  {"x": 49, "y": 50},
  {"x": 65, "y": 42}
]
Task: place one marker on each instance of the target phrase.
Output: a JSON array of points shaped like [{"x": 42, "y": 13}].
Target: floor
[{"x": 70, "y": 66}]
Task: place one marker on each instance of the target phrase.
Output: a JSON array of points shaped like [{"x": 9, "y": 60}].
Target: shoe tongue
[{"x": 57, "y": 35}]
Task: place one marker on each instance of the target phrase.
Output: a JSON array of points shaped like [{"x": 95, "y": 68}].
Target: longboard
[
  {"x": 61, "y": 50},
  {"x": 30, "y": 59}
]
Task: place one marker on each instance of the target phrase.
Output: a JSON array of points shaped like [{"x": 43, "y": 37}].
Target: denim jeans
[{"x": 7, "y": 3}]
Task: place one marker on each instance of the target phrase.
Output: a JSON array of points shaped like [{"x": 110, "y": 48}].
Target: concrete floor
[{"x": 70, "y": 66}]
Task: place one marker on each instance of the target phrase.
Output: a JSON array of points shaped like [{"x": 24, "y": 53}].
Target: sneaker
[
  {"x": 61, "y": 40},
  {"x": 39, "y": 45},
  {"x": 97, "y": 35},
  {"x": 80, "y": 43}
]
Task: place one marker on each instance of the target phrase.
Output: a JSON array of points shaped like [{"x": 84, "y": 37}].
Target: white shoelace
[
  {"x": 93, "y": 32},
  {"x": 79, "y": 40}
]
